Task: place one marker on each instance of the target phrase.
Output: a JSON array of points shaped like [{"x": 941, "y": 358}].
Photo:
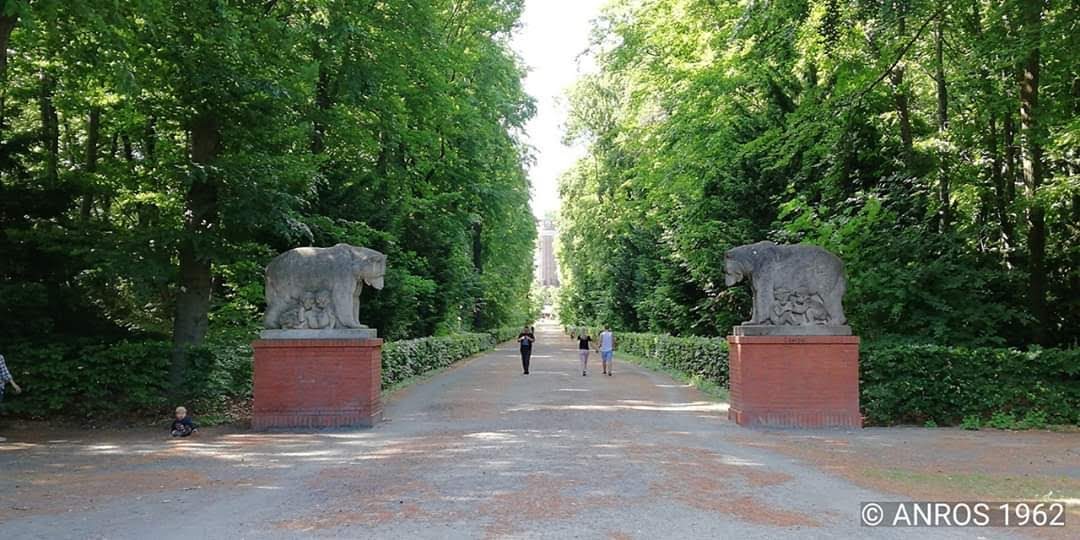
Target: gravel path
[{"x": 477, "y": 451}]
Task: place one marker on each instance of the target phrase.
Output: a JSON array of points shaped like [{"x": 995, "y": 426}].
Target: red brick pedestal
[
  {"x": 794, "y": 381},
  {"x": 306, "y": 383}
]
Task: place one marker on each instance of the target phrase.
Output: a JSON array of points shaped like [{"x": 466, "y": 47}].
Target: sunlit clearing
[
  {"x": 740, "y": 462},
  {"x": 698, "y": 406},
  {"x": 491, "y": 436},
  {"x": 17, "y": 446}
]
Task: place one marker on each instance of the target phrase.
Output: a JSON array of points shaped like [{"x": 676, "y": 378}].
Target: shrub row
[
  {"x": 130, "y": 378},
  {"x": 904, "y": 383},
  {"x": 695, "y": 356},
  {"x": 408, "y": 358},
  {"x": 126, "y": 378},
  {"x": 909, "y": 383}
]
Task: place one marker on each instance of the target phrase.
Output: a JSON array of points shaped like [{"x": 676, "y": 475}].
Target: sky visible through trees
[{"x": 553, "y": 42}]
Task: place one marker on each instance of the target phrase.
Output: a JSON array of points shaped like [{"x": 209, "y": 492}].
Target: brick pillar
[
  {"x": 309, "y": 383},
  {"x": 794, "y": 381}
]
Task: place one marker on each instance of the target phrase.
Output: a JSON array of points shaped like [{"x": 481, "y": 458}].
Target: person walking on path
[
  {"x": 607, "y": 350},
  {"x": 526, "y": 339},
  {"x": 584, "y": 339},
  {"x": 5, "y": 378}
]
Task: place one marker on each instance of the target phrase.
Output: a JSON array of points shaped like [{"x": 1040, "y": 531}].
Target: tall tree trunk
[
  {"x": 1001, "y": 193},
  {"x": 50, "y": 126},
  {"x": 903, "y": 112},
  {"x": 322, "y": 107},
  {"x": 1009, "y": 160},
  {"x": 93, "y": 135},
  {"x": 939, "y": 75},
  {"x": 1031, "y": 18},
  {"x": 149, "y": 141},
  {"x": 129, "y": 152},
  {"x": 903, "y": 109},
  {"x": 201, "y": 212},
  {"x": 7, "y": 26},
  {"x": 944, "y": 195},
  {"x": 382, "y": 162},
  {"x": 478, "y": 267}
]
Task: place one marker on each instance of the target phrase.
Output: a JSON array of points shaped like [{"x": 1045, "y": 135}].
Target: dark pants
[{"x": 526, "y": 352}]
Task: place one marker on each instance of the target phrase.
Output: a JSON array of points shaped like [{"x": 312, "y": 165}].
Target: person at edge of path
[
  {"x": 182, "y": 425},
  {"x": 526, "y": 339},
  {"x": 584, "y": 340},
  {"x": 5, "y": 379},
  {"x": 607, "y": 350}
]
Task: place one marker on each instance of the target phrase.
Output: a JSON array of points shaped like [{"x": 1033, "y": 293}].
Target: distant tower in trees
[{"x": 547, "y": 266}]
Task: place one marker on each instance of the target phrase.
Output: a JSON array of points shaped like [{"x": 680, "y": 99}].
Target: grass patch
[
  {"x": 977, "y": 485},
  {"x": 706, "y": 386}
]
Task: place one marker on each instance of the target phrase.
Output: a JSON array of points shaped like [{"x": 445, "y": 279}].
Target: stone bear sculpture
[
  {"x": 810, "y": 270},
  {"x": 342, "y": 270}
]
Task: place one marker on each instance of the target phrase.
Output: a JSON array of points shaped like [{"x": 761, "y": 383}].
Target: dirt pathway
[{"x": 478, "y": 451}]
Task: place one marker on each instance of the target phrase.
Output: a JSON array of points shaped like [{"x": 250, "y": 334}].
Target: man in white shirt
[{"x": 607, "y": 349}]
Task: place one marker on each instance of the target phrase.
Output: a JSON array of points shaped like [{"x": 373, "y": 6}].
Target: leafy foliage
[
  {"x": 887, "y": 132},
  {"x": 155, "y": 155}
]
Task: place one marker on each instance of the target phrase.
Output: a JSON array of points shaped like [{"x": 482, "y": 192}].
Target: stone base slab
[
  {"x": 791, "y": 330},
  {"x": 317, "y": 383},
  {"x": 335, "y": 333},
  {"x": 794, "y": 381}
]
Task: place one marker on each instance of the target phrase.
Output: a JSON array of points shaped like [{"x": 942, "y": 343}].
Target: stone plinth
[
  {"x": 323, "y": 333},
  {"x": 794, "y": 381},
  {"x": 791, "y": 330},
  {"x": 311, "y": 383}
]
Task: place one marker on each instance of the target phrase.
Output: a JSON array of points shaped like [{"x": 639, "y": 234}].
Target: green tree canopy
[
  {"x": 929, "y": 143},
  {"x": 155, "y": 154}
]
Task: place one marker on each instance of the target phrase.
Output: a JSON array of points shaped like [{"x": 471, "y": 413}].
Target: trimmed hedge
[
  {"x": 130, "y": 378},
  {"x": 909, "y": 383},
  {"x": 904, "y": 383},
  {"x": 504, "y": 333},
  {"x": 411, "y": 357},
  {"x": 695, "y": 356},
  {"x": 126, "y": 378}
]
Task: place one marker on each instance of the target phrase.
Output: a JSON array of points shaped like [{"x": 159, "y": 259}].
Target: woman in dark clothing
[
  {"x": 526, "y": 339},
  {"x": 583, "y": 341}
]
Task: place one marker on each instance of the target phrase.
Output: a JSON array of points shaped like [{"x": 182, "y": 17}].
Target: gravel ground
[{"x": 477, "y": 451}]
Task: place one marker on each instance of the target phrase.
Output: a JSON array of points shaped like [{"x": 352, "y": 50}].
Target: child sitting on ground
[{"x": 182, "y": 425}]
